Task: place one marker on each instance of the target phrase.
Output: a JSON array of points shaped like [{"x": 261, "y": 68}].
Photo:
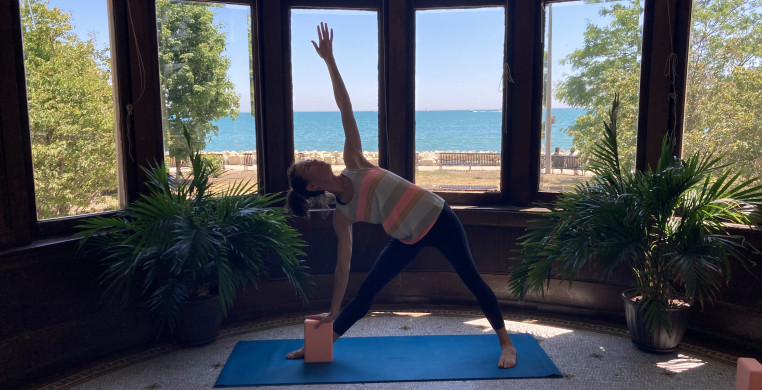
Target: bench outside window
[
  {"x": 561, "y": 161},
  {"x": 468, "y": 159}
]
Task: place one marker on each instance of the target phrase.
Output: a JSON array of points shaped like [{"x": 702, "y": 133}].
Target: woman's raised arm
[{"x": 353, "y": 156}]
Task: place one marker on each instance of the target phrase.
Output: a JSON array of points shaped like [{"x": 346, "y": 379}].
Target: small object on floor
[
  {"x": 318, "y": 341},
  {"x": 748, "y": 374}
]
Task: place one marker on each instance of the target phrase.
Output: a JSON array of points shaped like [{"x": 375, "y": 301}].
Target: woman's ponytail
[
  {"x": 298, "y": 199},
  {"x": 297, "y": 204}
]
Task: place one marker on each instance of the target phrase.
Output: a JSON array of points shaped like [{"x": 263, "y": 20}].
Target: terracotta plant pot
[{"x": 660, "y": 341}]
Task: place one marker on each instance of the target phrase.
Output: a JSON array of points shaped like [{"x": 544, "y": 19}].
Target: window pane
[
  {"x": 723, "y": 112},
  {"x": 318, "y": 133},
  {"x": 205, "y": 65},
  {"x": 71, "y": 107},
  {"x": 589, "y": 63},
  {"x": 458, "y": 118}
]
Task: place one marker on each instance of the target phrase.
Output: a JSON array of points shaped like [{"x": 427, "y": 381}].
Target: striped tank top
[{"x": 406, "y": 211}]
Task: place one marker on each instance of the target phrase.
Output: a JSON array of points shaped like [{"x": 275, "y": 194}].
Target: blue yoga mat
[{"x": 385, "y": 359}]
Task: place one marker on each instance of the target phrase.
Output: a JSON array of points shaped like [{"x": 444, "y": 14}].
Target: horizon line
[{"x": 429, "y": 110}]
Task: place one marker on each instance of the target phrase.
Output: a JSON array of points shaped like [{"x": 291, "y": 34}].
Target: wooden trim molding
[
  {"x": 662, "y": 103},
  {"x": 17, "y": 212}
]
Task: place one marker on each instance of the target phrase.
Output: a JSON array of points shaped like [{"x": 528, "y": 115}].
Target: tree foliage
[
  {"x": 71, "y": 109},
  {"x": 71, "y": 114},
  {"x": 723, "y": 105},
  {"x": 252, "y": 91},
  {"x": 195, "y": 88},
  {"x": 609, "y": 62},
  {"x": 725, "y": 75}
]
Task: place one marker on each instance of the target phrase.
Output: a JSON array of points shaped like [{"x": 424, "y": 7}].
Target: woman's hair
[{"x": 299, "y": 198}]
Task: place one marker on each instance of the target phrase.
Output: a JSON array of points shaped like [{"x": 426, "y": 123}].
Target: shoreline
[
  {"x": 425, "y": 158},
  {"x": 241, "y": 165}
]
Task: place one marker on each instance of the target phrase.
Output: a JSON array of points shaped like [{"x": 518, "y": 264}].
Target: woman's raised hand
[{"x": 324, "y": 47}]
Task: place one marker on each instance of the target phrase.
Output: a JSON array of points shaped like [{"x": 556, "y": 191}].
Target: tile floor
[{"x": 590, "y": 357}]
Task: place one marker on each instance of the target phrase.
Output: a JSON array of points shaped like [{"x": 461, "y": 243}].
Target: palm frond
[
  {"x": 164, "y": 303},
  {"x": 605, "y": 156},
  {"x": 668, "y": 224},
  {"x": 183, "y": 239}
]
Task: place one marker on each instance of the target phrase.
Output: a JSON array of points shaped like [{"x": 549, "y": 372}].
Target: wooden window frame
[
  {"x": 137, "y": 99},
  {"x": 522, "y": 53},
  {"x": 350, "y": 5}
]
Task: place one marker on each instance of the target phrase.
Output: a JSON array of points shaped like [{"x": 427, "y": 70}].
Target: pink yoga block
[
  {"x": 318, "y": 341},
  {"x": 748, "y": 374}
]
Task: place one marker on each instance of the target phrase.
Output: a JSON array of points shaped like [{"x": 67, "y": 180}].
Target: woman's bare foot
[
  {"x": 298, "y": 354},
  {"x": 508, "y": 356}
]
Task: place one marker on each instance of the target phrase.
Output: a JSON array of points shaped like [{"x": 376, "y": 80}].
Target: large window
[
  {"x": 458, "y": 102},
  {"x": 585, "y": 65},
  {"x": 205, "y": 66},
  {"x": 448, "y": 138},
  {"x": 67, "y": 61},
  {"x": 318, "y": 133},
  {"x": 723, "y": 111}
]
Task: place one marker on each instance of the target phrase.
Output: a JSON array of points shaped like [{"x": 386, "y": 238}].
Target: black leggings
[{"x": 448, "y": 236}]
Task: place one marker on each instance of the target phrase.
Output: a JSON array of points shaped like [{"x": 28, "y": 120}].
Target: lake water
[{"x": 435, "y": 130}]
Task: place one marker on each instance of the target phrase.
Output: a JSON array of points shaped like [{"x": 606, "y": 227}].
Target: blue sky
[{"x": 458, "y": 53}]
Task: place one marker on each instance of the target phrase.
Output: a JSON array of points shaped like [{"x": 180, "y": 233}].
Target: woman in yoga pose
[{"x": 413, "y": 217}]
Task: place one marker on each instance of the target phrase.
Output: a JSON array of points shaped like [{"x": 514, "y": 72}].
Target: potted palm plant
[
  {"x": 669, "y": 225},
  {"x": 191, "y": 244}
]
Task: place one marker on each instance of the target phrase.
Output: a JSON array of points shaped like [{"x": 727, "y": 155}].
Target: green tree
[
  {"x": 724, "y": 85},
  {"x": 608, "y": 63},
  {"x": 71, "y": 114},
  {"x": 724, "y": 91},
  {"x": 251, "y": 67},
  {"x": 195, "y": 86}
]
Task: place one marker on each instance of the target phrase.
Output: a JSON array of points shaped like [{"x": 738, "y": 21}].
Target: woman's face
[{"x": 313, "y": 172}]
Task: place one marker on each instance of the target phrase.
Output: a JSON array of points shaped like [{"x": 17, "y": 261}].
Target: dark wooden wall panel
[
  {"x": 399, "y": 64},
  {"x": 275, "y": 60},
  {"x": 521, "y": 140},
  {"x": 17, "y": 202},
  {"x": 661, "y": 105}
]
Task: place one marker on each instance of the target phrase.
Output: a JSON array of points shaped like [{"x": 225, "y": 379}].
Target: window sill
[
  {"x": 507, "y": 216},
  {"x": 503, "y": 216},
  {"x": 38, "y": 251}
]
